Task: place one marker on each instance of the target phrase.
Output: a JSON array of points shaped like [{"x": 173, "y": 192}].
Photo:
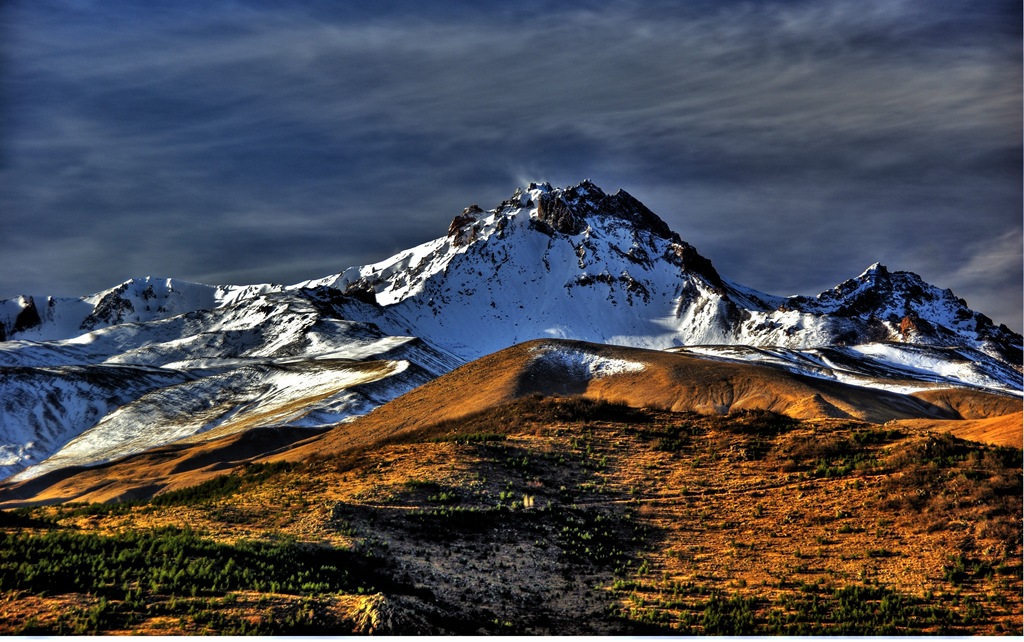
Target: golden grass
[
  {"x": 744, "y": 505},
  {"x": 1005, "y": 430},
  {"x": 669, "y": 381}
]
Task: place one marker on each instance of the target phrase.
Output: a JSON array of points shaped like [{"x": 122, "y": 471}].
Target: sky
[{"x": 792, "y": 143}]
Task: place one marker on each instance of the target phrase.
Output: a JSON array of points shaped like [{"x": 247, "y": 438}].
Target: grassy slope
[
  {"x": 561, "y": 516},
  {"x": 669, "y": 381}
]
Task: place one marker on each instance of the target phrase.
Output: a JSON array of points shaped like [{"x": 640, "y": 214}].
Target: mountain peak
[
  {"x": 552, "y": 262},
  {"x": 570, "y": 210},
  {"x": 874, "y": 270}
]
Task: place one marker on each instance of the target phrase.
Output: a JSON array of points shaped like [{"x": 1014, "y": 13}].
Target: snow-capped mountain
[
  {"x": 578, "y": 263},
  {"x": 152, "y": 361},
  {"x": 272, "y": 357},
  {"x": 134, "y": 301}
]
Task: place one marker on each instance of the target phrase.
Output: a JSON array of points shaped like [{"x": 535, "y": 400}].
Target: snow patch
[{"x": 578, "y": 364}]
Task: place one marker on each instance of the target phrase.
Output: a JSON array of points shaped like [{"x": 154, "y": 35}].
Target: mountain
[
  {"x": 640, "y": 378},
  {"x": 578, "y": 263},
  {"x": 156, "y": 361},
  {"x": 134, "y": 301},
  {"x": 558, "y": 418},
  {"x": 630, "y": 377}
]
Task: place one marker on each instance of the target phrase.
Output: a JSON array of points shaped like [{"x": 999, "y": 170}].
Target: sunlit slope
[
  {"x": 648, "y": 378},
  {"x": 548, "y": 263},
  {"x": 298, "y": 395},
  {"x": 1004, "y": 430},
  {"x": 157, "y": 469}
]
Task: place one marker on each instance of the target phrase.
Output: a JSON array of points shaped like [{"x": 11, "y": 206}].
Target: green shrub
[{"x": 171, "y": 561}]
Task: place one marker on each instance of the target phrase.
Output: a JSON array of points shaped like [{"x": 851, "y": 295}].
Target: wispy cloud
[
  {"x": 794, "y": 143},
  {"x": 986, "y": 272}
]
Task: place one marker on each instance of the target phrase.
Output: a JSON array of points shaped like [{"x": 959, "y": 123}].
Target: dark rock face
[
  {"x": 631, "y": 285},
  {"x": 628, "y": 208},
  {"x": 901, "y": 302},
  {"x": 556, "y": 213},
  {"x": 567, "y": 212},
  {"x": 111, "y": 309},
  {"x": 907, "y": 326},
  {"x": 362, "y": 290},
  {"x": 689, "y": 260},
  {"x": 28, "y": 318}
]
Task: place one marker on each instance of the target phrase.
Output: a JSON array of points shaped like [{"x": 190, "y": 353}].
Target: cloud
[
  {"x": 992, "y": 260},
  {"x": 793, "y": 143},
  {"x": 990, "y": 268}
]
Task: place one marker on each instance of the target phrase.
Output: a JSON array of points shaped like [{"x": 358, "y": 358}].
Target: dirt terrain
[{"x": 572, "y": 516}]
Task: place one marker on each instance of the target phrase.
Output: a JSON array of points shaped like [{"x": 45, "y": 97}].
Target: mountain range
[{"x": 157, "y": 362}]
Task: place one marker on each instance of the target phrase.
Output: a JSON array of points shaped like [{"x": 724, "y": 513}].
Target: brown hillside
[
  {"x": 550, "y": 516},
  {"x": 146, "y": 474},
  {"x": 1007, "y": 430},
  {"x": 668, "y": 381},
  {"x": 971, "y": 404}
]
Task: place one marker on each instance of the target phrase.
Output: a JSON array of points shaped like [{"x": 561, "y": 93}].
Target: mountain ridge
[
  {"x": 875, "y": 305},
  {"x": 641, "y": 378},
  {"x": 675, "y": 295}
]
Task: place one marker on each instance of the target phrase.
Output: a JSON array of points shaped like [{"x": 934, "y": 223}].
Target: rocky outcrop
[
  {"x": 113, "y": 308},
  {"x": 689, "y": 259},
  {"x": 568, "y": 211},
  {"x": 463, "y": 229},
  {"x": 556, "y": 215},
  {"x": 28, "y": 317},
  {"x": 381, "y": 614}
]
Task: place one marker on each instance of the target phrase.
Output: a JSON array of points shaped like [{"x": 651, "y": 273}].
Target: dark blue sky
[{"x": 794, "y": 143}]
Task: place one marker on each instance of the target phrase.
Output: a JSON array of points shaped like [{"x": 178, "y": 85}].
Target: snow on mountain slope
[
  {"x": 578, "y": 263},
  {"x": 308, "y": 394},
  {"x": 912, "y": 311},
  {"x": 42, "y": 407},
  {"x": 194, "y": 372},
  {"x": 276, "y": 324},
  {"x": 581, "y": 365},
  {"x": 573, "y": 263},
  {"x": 134, "y": 301},
  {"x": 897, "y": 367}
]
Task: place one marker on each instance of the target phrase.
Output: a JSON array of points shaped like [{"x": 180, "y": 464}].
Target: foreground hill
[
  {"x": 649, "y": 379},
  {"x": 638, "y": 378},
  {"x": 544, "y": 515}
]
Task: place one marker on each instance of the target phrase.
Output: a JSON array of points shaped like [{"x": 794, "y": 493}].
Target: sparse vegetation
[
  {"x": 205, "y": 492},
  {"x": 171, "y": 571},
  {"x": 551, "y": 516}
]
